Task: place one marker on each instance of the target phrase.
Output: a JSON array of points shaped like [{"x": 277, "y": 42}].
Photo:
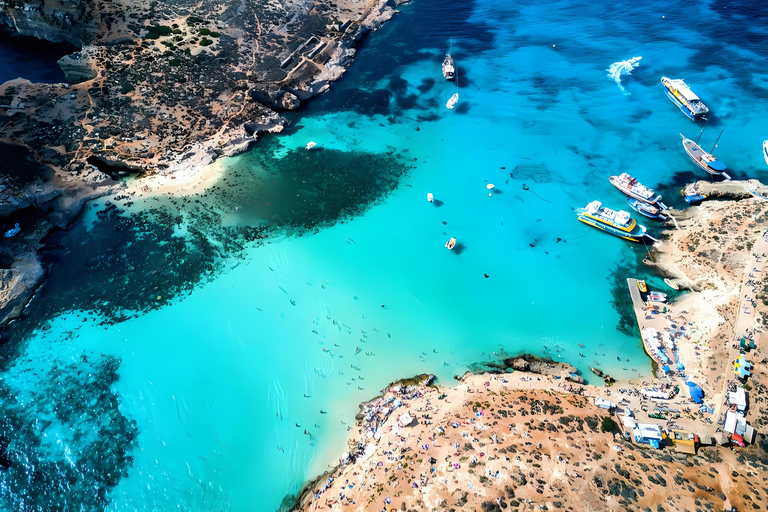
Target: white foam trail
[{"x": 621, "y": 68}]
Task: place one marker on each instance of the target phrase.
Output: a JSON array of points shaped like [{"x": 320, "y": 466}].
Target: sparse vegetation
[{"x": 155, "y": 31}]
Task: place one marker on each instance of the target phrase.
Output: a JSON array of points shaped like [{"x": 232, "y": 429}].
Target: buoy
[{"x": 430, "y": 197}]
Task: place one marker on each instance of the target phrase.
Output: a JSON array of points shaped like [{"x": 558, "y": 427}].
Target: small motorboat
[
  {"x": 642, "y": 286},
  {"x": 452, "y": 101},
  {"x": 430, "y": 197},
  {"x": 645, "y": 209},
  {"x": 671, "y": 284},
  {"x": 311, "y": 144},
  {"x": 450, "y": 244},
  {"x": 765, "y": 151},
  {"x": 657, "y": 296},
  {"x": 695, "y": 198}
]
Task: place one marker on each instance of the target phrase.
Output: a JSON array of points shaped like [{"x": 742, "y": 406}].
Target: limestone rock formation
[{"x": 72, "y": 21}]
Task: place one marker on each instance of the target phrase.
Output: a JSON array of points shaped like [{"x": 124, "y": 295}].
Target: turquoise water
[{"x": 206, "y": 330}]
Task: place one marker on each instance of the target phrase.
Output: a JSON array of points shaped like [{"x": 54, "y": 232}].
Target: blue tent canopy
[
  {"x": 665, "y": 368},
  {"x": 696, "y": 393}
]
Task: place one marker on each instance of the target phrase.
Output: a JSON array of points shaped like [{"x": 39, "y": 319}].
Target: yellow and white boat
[{"x": 618, "y": 223}]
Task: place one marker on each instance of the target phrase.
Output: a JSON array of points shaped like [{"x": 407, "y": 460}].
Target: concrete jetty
[{"x": 648, "y": 315}]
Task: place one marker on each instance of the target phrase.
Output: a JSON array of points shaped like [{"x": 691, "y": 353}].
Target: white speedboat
[
  {"x": 452, "y": 102},
  {"x": 765, "y": 151},
  {"x": 311, "y": 144},
  {"x": 450, "y": 244}
]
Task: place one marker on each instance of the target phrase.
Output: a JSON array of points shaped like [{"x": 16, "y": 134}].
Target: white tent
[
  {"x": 605, "y": 404},
  {"x": 405, "y": 419},
  {"x": 649, "y": 393},
  {"x": 369, "y": 450}
]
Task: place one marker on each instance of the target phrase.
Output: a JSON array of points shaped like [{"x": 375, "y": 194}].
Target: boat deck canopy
[{"x": 684, "y": 91}]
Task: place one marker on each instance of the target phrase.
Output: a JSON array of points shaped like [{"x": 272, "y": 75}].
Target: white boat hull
[{"x": 765, "y": 151}]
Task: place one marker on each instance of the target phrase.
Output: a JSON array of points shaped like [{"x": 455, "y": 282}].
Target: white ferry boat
[
  {"x": 682, "y": 96},
  {"x": 631, "y": 187}
]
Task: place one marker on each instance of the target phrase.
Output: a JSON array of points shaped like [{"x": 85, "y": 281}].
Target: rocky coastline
[
  {"x": 514, "y": 441},
  {"x": 156, "y": 89}
]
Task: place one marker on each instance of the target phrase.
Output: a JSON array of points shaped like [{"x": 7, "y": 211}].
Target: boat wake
[{"x": 621, "y": 68}]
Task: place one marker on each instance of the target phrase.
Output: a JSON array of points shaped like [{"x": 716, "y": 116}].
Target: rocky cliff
[
  {"x": 159, "y": 87},
  {"x": 71, "y": 21}
]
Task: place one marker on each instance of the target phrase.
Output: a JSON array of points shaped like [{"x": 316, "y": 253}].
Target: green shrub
[
  {"x": 206, "y": 42},
  {"x": 175, "y": 62},
  {"x": 607, "y": 425},
  {"x": 215, "y": 34},
  {"x": 155, "y": 31},
  {"x": 176, "y": 31},
  {"x": 205, "y": 32}
]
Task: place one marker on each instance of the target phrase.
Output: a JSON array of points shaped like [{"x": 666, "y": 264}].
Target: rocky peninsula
[
  {"x": 519, "y": 441},
  {"x": 156, "y": 89}
]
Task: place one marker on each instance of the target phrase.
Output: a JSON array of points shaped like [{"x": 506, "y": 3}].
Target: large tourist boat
[
  {"x": 449, "y": 68},
  {"x": 706, "y": 161},
  {"x": 618, "y": 223},
  {"x": 682, "y": 96},
  {"x": 631, "y": 187}
]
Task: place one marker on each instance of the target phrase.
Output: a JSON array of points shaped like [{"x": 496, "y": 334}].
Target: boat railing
[{"x": 697, "y": 107}]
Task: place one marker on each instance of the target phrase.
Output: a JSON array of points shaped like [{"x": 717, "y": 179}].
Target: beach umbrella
[{"x": 696, "y": 393}]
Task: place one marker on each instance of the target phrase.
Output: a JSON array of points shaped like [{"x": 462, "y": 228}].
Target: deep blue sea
[
  {"x": 33, "y": 59},
  {"x": 182, "y": 347}
]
